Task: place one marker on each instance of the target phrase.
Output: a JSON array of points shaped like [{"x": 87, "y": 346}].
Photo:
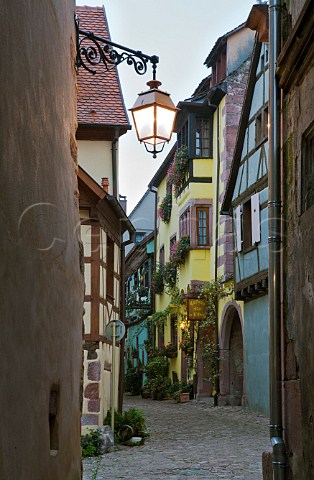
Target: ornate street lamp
[{"x": 153, "y": 112}]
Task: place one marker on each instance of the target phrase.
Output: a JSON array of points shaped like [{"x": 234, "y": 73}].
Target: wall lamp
[{"x": 154, "y": 112}]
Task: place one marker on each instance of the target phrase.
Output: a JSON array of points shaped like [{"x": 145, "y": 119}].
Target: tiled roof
[{"x": 99, "y": 99}]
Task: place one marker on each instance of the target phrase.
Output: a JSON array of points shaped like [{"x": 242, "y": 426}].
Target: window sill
[{"x": 249, "y": 249}]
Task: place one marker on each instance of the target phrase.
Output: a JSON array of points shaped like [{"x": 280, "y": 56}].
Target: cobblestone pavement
[{"x": 193, "y": 440}]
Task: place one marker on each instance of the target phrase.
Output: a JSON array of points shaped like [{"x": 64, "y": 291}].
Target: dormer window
[{"x": 219, "y": 68}]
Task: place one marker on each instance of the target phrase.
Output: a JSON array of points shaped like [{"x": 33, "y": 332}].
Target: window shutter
[
  {"x": 238, "y": 228},
  {"x": 256, "y": 224}
]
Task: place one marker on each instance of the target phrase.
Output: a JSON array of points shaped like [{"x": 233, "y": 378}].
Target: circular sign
[{"x": 120, "y": 330}]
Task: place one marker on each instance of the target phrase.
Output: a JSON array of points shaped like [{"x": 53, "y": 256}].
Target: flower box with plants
[
  {"x": 170, "y": 350},
  {"x": 164, "y": 210},
  {"x": 179, "y": 250},
  {"x": 178, "y": 168}
]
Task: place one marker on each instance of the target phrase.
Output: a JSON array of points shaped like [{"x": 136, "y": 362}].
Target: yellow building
[{"x": 190, "y": 186}]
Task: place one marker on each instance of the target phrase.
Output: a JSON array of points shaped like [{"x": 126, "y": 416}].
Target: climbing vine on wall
[{"x": 211, "y": 293}]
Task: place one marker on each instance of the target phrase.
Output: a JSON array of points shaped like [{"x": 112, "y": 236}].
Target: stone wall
[
  {"x": 298, "y": 279},
  {"x": 41, "y": 281}
]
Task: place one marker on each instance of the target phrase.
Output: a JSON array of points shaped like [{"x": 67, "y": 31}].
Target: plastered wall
[{"x": 41, "y": 282}]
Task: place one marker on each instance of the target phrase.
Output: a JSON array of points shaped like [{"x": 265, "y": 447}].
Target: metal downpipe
[{"x": 274, "y": 246}]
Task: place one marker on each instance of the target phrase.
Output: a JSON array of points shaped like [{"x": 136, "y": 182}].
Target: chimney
[
  {"x": 105, "y": 183},
  {"x": 123, "y": 202}
]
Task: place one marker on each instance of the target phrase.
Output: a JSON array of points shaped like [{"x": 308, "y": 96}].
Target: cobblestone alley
[{"x": 193, "y": 440}]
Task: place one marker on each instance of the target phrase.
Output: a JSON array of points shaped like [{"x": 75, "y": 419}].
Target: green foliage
[
  {"x": 170, "y": 275},
  {"x": 186, "y": 345},
  {"x": 118, "y": 422},
  {"x": 136, "y": 419},
  {"x": 133, "y": 417},
  {"x": 158, "y": 366},
  {"x": 179, "y": 387},
  {"x": 156, "y": 388},
  {"x": 158, "y": 280},
  {"x": 164, "y": 210},
  {"x": 137, "y": 297},
  {"x": 159, "y": 319},
  {"x": 91, "y": 444},
  {"x": 178, "y": 168},
  {"x": 157, "y": 383},
  {"x": 211, "y": 292},
  {"x": 133, "y": 381},
  {"x": 179, "y": 251}
]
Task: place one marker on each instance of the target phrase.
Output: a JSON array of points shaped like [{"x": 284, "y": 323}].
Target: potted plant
[{"x": 180, "y": 391}]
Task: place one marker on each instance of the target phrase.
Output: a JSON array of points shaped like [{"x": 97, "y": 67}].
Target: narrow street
[{"x": 192, "y": 440}]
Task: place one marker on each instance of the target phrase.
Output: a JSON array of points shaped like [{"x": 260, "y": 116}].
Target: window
[
  {"x": 261, "y": 126},
  {"x": 185, "y": 223},
  {"x": 203, "y": 137},
  {"x": 202, "y": 226},
  {"x": 247, "y": 224},
  {"x": 110, "y": 268},
  {"x": 307, "y": 169},
  {"x": 183, "y": 138},
  {"x": 174, "y": 330},
  {"x": 161, "y": 335},
  {"x": 219, "y": 68},
  {"x": 173, "y": 240},
  {"x": 162, "y": 256}
]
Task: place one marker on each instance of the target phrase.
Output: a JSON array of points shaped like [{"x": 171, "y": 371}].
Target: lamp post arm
[{"x": 93, "y": 50}]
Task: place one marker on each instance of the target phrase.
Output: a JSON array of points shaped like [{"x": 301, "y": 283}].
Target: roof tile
[{"x": 99, "y": 98}]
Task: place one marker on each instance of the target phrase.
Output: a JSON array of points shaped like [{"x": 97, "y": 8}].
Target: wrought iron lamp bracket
[{"x": 93, "y": 51}]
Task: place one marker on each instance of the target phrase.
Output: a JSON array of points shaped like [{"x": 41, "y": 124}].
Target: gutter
[
  {"x": 275, "y": 247},
  {"x": 155, "y": 191}
]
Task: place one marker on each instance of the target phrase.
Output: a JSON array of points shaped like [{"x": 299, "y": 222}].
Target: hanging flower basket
[
  {"x": 164, "y": 210},
  {"x": 170, "y": 350},
  {"x": 178, "y": 168}
]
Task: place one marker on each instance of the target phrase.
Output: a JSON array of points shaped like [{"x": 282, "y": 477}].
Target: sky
[{"x": 181, "y": 33}]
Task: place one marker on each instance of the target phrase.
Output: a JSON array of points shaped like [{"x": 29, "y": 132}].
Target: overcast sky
[{"x": 181, "y": 33}]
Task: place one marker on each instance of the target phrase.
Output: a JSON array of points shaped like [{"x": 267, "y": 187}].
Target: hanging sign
[
  {"x": 196, "y": 309},
  {"x": 119, "y": 330}
]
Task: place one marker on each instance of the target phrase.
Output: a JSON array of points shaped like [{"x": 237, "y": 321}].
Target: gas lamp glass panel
[
  {"x": 144, "y": 122},
  {"x": 164, "y": 122}
]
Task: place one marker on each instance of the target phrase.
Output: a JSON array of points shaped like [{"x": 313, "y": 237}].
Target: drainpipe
[
  {"x": 123, "y": 319},
  {"x": 274, "y": 247},
  {"x": 114, "y": 163}
]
